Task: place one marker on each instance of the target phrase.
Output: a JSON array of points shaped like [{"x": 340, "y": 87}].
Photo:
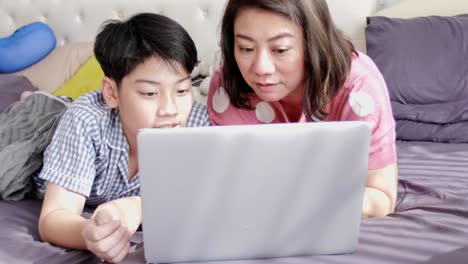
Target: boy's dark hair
[{"x": 121, "y": 46}]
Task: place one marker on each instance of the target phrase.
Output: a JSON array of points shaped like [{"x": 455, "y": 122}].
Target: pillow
[
  {"x": 88, "y": 78},
  {"x": 59, "y": 66},
  {"x": 11, "y": 87},
  {"x": 423, "y": 61},
  {"x": 26, "y": 46}
]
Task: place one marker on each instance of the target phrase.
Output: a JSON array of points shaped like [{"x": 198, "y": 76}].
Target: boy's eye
[
  {"x": 183, "y": 91},
  {"x": 150, "y": 94}
]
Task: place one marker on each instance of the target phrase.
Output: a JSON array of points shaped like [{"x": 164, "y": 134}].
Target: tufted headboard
[{"x": 79, "y": 20}]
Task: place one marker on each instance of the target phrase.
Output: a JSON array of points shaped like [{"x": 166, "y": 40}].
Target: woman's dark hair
[
  {"x": 327, "y": 52},
  {"x": 122, "y": 45}
]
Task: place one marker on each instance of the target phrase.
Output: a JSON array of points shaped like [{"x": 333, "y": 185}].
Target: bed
[{"x": 430, "y": 224}]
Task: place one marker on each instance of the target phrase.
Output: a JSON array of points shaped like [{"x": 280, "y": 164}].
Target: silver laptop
[{"x": 254, "y": 191}]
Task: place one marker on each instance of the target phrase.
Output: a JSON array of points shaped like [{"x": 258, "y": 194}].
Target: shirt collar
[
  {"x": 115, "y": 137},
  {"x": 116, "y": 140}
]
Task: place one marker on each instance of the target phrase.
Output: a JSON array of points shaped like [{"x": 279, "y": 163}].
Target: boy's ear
[{"x": 110, "y": 92}]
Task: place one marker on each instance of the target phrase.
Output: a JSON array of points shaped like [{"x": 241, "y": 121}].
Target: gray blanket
[{"x": 26, "y": 129}]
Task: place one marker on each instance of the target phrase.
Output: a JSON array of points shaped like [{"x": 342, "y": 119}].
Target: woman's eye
[
  {"x": 246, "y": 49},
  {"x": 281, "y": 51}
]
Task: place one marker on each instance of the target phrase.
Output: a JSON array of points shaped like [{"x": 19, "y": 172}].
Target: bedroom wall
[{"x": 387, "y": 3}]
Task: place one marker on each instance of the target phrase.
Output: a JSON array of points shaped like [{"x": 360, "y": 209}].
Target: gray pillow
[
  {"x": 424, "y": 62},
  {"x": 11, "y": 87}
]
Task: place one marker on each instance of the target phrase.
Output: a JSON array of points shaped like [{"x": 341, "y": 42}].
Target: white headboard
[{"x": 79, "y": 20}]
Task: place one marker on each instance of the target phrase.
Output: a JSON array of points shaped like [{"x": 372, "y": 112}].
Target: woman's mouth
[{"x": 265, "y": 87}]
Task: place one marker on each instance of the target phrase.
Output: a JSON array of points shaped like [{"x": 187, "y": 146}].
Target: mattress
[{"x": 430, "y": 224}]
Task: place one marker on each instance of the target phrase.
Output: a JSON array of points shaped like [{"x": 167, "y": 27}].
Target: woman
[{"x": 285, "y": 61}]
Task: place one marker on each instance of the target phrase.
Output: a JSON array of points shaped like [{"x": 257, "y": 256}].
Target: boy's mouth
[{"x": 168, "y": 125}]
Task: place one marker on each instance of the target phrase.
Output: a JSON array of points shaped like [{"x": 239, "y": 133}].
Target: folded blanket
[
  {"x": 440, "y": 113},
  {"x": 439, "y": 122},
  {"x": 419, "y": 131},
  {"x": 26, "y": 129}
]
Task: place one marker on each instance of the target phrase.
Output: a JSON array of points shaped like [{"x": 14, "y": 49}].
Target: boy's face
[{"x": 154, "y": 95}]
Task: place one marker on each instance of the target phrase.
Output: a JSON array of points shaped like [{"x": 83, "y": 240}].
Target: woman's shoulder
[
  {"x": 362, "y": 66},
  {"x": 363, "y": 93},
  {"x": 363, "y": 70}
]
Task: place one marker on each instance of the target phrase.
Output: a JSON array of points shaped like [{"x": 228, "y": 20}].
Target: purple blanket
[{"x": 430, "y": 224}]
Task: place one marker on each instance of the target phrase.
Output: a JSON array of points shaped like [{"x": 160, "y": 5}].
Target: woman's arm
[{"x": 381, "y": 191}]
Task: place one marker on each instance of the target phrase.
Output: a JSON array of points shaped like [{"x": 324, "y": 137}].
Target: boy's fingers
[
  {"x": 116, "y": 251},
  {"x": 96, "y": 233},
  {"x": 122, "y": 254},
  {"x": 104, "y": 216},
  {"x": 103, "y": 246}
]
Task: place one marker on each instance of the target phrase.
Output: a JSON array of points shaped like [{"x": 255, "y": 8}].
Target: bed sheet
[{"x": 430, "y": 224}]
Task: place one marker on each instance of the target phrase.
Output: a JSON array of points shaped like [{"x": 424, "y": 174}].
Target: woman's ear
[{"x": 110, "y": 92}]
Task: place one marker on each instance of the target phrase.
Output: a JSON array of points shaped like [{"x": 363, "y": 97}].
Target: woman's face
[{"x": 269, "y": 52}]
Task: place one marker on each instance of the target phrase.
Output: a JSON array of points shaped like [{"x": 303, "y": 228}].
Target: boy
[{"x": 92, "y": 159}]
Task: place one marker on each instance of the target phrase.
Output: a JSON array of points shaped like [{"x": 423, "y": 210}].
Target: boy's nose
[
  {"x": 263, "y": 64},
  {"x": 167, "y": 107}
]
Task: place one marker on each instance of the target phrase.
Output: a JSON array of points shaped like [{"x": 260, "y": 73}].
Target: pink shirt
[{"x": 364, "y": 97}]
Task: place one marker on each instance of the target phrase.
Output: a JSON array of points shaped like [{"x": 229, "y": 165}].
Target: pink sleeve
[
  {"x": 215, "y": 83},
  {"x": 368, "y": 100}
]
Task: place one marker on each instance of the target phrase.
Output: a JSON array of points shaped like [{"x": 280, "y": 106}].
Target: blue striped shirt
[{"x": 89, "y": 152}]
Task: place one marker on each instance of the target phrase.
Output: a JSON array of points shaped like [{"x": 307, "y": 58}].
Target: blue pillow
[{"x": 26, "y": 46}]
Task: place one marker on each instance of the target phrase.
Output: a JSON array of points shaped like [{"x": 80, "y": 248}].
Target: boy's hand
[{"x": 105, "y": 234}]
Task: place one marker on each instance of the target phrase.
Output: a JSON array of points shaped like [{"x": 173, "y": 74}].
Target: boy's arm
[{"x": 61, "y": 223}]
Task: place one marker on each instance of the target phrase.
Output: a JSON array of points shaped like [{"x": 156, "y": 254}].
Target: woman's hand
[{"x": 381, "y": 192}]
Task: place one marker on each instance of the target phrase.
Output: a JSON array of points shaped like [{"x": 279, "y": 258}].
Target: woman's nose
[{"x": 263, "y": 64}]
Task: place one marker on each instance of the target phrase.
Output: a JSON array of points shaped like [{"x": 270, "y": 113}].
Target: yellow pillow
[{"x": 88, "y": 78}]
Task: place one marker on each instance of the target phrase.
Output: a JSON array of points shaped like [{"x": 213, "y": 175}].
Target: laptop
[{"x": 252, "y": 191}]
